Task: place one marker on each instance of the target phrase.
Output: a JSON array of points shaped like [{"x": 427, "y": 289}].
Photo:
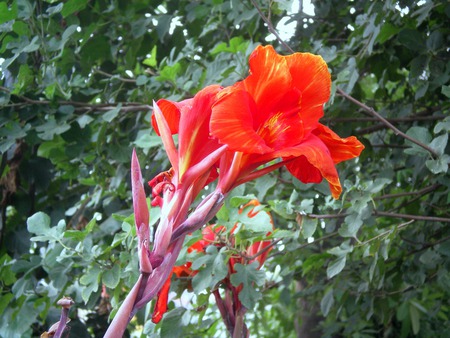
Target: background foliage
[{"x": 77, "y": 81}]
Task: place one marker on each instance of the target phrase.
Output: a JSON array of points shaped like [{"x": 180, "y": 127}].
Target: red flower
[
  {"x": 190, "y": 120},
  {"x": 274, "y": 113},
  {"x": 258, "y": 251}
]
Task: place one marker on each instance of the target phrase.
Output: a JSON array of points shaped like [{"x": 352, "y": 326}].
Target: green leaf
[
  {"x": 10, "y": 132},
  {"x": 420, "y": 134},
  {"x": 147, "y": 141},
  {"x": 248, "y": 275},
  {"x": 51, "y": 128},
  {"x": 84, "y": 120},
  {"x": 412, "y": 39},
  {"x": 172, "y": 323},
  {"x": 342, "y": 249},
  {"x": 263, "y": 184},
  {"x": 255, "y": 219},
  {"x": 141, "y": 80},
  {"x": 308, "y": 226},
  {"x": 327, "y": 302},
  {"x": 169, "y": 73},
  {"x": 350, "y": 228},
  {"x": 336, "y": 267},
  {"x": 439, "y": 143},
  {"x": 445, "y": 90},
  {"x": 213, "y": 269},
  {"x": 6, "y": 13},
  {"x": 440, "y": 165},
  {"x": 111, "y": 277},
  {"x": 5, "y": 300},
  {"x": 415, "y": 318},
  {"x": 151, "y": 61},
  {"x": 387, "y": 31},
  {"x": 91, "y": 282},
  {"x": 112, "y": 114},
  {"x": 39, "y": 223},
  {"x": 73, "y": 6},
  {"x": 6, "y": 274},
  {"x": 444, "y": 125},
  {"x": 238, "y": 201}
]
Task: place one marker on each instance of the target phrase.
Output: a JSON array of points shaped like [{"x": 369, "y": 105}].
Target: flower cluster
[
  {"x": 229, "y": 304},
  {"x": 233, "y": 135}
]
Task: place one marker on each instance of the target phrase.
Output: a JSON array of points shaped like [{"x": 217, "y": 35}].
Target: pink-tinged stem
[
  {"x": 226, "y": 316},
  {"x": 231, "y": 173},
  {"x": 261, "y": 172},
  {"x": 203, "y": 166},
  {"x": 202, "y": 214},
  {"x": 160, "y": 274},
  {"x": 240, "y": 329},
  {"x": 141, "y": 215},
  {"x": 166, "y": 136},
  {"x": 125, "y": 313}
]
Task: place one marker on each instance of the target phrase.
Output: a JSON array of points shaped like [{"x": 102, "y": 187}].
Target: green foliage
[{"x": 77, "y": 82}]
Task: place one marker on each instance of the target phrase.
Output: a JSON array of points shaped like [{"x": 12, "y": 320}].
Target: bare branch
[{"x": 386, "y": 122}]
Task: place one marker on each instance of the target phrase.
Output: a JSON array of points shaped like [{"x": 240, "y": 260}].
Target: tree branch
[
  {"x": 386, "y": 214},
  {"x": 84, "y": 106},
  {"x": 386, "y": 122},
  {"x": 421, "y": 192}
]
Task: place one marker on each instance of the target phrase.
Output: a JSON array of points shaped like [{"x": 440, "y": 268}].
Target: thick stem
[
  {"x": 240, "y": 329},
  {"x": 223, "y": 311},
  {"x": 206, "y": 210},
  {"x": 124, "y": 315}
]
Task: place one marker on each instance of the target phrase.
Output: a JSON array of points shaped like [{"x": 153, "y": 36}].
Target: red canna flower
[
  {"x": 274, "y": 113},
  {"x": 237, "y": 133}
]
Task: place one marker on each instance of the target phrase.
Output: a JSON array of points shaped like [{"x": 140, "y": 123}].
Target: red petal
[
  {"x": 171, "y": 112},
  {"x": 232, "y": 122},
  {"x": 311, "y": 76},
  {"x": 313, "y": 162},
  {"x": 269, "y": 80},
  {"x": 184, "y": 270},
  {"x": 341, "y": 149},
  {"x": 194, "y": 138},
  {"x": 161, "y": 301}
]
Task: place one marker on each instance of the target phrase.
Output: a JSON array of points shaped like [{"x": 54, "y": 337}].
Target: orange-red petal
[
  {"x": 318, "y": 161},
  {"x": 171, "y": 111},
  {"x": 341, "y": 149},
  {"x": 268, "y": 82},
  {"x": 194, "y": 138},
  {"x": 311, "y": 76},
  {"x": 232, "y": 122},
  {"x": 161, "y": 301}
]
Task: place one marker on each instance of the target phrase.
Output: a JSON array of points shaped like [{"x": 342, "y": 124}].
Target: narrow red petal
[
  {"x": 166, "y": 136},
  {"x": 194, "y": 139},
  {"x": 161, "y": 301},
  {"x": 171, "y": 112}
]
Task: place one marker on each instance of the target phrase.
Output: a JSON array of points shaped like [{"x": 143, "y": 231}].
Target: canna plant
[{"x": 233, "y": 135}]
